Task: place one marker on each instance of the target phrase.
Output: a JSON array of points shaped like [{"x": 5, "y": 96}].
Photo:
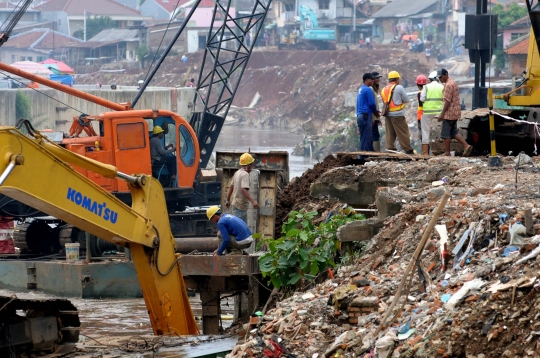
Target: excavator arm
[{"x": 39, "y": 173}]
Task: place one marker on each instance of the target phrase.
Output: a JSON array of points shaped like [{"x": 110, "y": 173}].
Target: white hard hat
[
  {"x": 141, "y": 81},
  {"x": 433, "y": 75}
]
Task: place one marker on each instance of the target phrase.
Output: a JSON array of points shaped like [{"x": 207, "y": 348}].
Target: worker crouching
[{"x": 234, "y": 234}]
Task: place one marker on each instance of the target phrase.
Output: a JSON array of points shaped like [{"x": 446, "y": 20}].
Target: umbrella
[
  {"x": 57, "y": 67},
  {"x": 32, "y": 67}
]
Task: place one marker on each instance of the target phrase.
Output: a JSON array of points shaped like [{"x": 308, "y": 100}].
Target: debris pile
[{"x": 473, "y": 292}]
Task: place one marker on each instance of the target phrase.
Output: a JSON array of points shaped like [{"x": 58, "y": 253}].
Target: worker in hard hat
[
  {"x": 239, "y": 189},
  {"x": 395, "y": 98},
  {"x": 421, "y": 81},
  {"x": 432, "y": 97},
  {"x": 161, "y": 155},
  {"x": 234, "y": 233},
  {"x": 139, "y": 84}
]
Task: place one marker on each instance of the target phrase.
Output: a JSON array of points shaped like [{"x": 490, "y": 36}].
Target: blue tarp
[{"x": 63, "y": 79}]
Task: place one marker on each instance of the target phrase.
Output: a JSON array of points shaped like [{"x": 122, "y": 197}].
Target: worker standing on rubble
[
  {"x": 421, "y": 81},
  {"x": 366, "y": 109},
  {"x": 432, "y": 96},
  {"x": 375, "y": 128},
  {"x": 450, "y": 114},
  {"x": 239, "y": 189},
  {"x": 234, "y": 234},
  {"x": 395, "y": 98}
]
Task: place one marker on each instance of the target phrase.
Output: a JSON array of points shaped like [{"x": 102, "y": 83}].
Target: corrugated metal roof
[
  {"x": 404, "y": 8},
  {"x": 110, "y": 35}
]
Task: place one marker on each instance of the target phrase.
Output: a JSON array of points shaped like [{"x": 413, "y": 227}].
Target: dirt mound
[
  {"x": 294, "y": 85},
  {"x": 295, "y": 196},
  {"x": 484, "y": 303}
]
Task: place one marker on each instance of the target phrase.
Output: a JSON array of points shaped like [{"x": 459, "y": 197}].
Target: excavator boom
[{"x": 38, "y": 173}]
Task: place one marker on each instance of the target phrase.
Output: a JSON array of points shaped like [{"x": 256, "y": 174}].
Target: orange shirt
[{"x": 33, "y": 85}]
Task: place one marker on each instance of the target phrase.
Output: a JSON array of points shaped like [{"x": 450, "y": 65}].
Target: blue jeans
[
  {"x": 241, "y": 214},
  {"x": 365, "y": 127}
]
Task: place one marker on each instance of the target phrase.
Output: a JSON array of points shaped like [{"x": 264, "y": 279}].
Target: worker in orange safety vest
[{"x": 394, "y": 100}]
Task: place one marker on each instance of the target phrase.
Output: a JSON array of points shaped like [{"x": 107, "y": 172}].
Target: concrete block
[
  {"x": 388, "y": 203},
  {"x": 208, "y": 175},
  {"x": 365, "y": 302},
  {"x": 360, "y": 193},
  {"x": 362, "y": 230}
]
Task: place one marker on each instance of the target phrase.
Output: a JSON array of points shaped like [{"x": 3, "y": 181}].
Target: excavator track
[{"x": 37, "y": 327}]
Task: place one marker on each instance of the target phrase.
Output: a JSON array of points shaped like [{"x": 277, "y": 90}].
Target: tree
[
  {"x": 94, "y": 26},
  {"x": 23, "y": 106},
  {"x": 507, "y": 15},
  {"x": 142, "y": 53}
]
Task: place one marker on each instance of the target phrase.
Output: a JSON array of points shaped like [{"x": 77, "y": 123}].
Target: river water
[
  {"x": 126, "y": 317},
  {"x": 242, "y": 138}
]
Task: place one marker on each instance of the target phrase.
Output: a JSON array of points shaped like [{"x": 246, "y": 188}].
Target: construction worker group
[{"x": 438, "y": 98}]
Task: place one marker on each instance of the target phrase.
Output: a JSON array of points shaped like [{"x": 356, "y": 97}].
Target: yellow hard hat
[
  {"x": 211, "y": 211},
  {"x": 246, "y": 159},
  {"x": 157, "y": 130},
  {"x": 393, "y": 74}
]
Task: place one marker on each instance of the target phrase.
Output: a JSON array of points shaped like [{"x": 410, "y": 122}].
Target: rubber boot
[
  {"x": 425, "y": 149},
  {"x": 377, "y": 146}
]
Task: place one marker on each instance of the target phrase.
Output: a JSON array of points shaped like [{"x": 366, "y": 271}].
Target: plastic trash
[
  {"x": 403, "y": 336},
  {"x": 445, "y": 297},
  {"x": 522, "y": 158},
  {"x": 458, "y": 296},
  {"x": 515, "y": 231},
  {"x": 385, "y": 345},
  {"x": 508, "y": 250},
  {"x": 404, "y": 328}
]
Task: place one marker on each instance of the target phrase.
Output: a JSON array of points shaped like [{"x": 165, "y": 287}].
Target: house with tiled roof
[
  {"x": 515, "y": 30},
  {"x": 516, "y": 55},
  {"x": 68, "y": 15},
  {"x": 164, "y": 9},
  {"x": 38, "y": 45}
]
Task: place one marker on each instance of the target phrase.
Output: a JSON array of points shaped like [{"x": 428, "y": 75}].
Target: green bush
[
  {"x": 23, "y": 106},
  {"x": 304, "y": 250}
]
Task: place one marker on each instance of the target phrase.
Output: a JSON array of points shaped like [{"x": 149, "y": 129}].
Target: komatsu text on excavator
[{"x": 40, "y": 174}]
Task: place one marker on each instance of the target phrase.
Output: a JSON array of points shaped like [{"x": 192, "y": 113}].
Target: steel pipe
[{"x": 185, "y": 245}]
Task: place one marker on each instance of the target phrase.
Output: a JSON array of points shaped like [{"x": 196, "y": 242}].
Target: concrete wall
[{"x": 57, "y": 113}]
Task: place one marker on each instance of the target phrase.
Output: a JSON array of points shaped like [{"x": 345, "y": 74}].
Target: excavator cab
[{"x": 124, "y": 141}]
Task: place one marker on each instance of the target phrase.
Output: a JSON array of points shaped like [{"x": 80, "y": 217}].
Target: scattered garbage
[{"x": 486, "y": 303}]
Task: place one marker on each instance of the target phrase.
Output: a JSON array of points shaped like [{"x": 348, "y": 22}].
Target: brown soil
[
  {"x": 294, "y": 85},
  {"x": 296, "y": 196}
]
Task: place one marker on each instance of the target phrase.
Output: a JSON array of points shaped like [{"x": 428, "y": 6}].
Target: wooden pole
[{"x": 415, "y": 257}]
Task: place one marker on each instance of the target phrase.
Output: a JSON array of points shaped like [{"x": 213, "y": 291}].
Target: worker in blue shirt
[
  {"x": 366, "y": 108},
  {"x": 234, "y": 233}
]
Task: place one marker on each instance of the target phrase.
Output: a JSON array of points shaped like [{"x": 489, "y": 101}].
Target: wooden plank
[{"x": 267, "y": 203}]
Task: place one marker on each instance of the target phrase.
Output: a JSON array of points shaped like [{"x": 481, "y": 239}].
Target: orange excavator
[{"x": 121, "y": 137}]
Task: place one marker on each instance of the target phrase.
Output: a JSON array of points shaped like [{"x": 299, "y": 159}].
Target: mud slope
[{"x": 294, "y": 85}]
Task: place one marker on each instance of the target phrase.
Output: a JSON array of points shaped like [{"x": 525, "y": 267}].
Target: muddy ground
[{"x": 294, "y": 85}]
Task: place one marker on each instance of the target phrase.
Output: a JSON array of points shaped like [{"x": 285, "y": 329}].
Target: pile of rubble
[{"x": 473, "y": 292}]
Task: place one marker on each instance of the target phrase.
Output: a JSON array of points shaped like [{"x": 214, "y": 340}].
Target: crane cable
[
  {"x": 8, "y": 75},
  {"x": 161, "y": 42}
]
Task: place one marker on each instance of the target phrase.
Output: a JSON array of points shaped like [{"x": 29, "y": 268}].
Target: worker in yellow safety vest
[
  {"x": 421, "y": 81},
  {"x": 432, "y": 97},
  {"x": 394, "y": 100}
]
